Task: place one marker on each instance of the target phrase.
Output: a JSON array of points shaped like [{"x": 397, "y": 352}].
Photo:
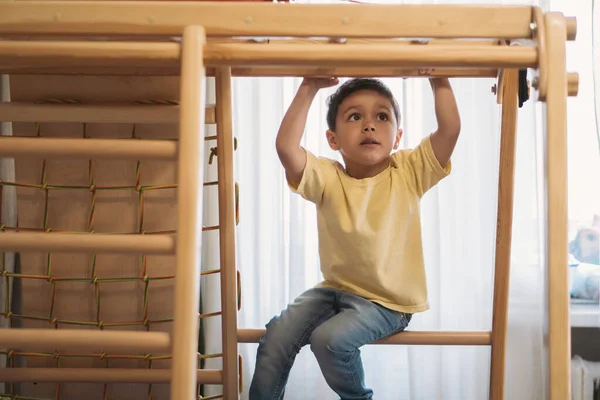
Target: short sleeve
[
  {"x": 421, "y": 166},
  {"x": 317, "y": 172}
]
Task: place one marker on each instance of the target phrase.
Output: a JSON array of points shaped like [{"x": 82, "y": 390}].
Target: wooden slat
[
  {"x": 77, "y": 340},
  {"x": 101, "y": 375},
  {"x": 509, "y": 89},
  {"x": 466, "y": 338},
  {"x": 559, "y": 331},
  {"x": 87, "y": 243},
  {"x": 96, "y": 113},
  {"x": 148, "y": 70},
  {"x": 26, "y": 54},
  {"x": 371, "y": 55},
  {"x": 227, "y": 232},
  {"x": 264, "y": 19},
  {"x": 83, "y": 149},
  {"x": 190, "y": 172}
]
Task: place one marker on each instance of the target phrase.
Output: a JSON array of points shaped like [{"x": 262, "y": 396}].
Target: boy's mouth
[{"x": 369, "y": 141}]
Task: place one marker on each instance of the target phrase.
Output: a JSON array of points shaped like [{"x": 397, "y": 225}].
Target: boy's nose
[{"x": 369, "y": 128}]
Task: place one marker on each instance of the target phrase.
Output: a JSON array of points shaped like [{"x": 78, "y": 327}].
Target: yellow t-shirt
[{"x": 370, "y": 229}]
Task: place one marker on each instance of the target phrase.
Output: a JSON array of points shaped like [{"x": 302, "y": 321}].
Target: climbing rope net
[{"x": 145, "y": 277}]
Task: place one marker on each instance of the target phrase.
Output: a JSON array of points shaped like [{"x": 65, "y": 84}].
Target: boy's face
[{"x": 366, "y": 129}]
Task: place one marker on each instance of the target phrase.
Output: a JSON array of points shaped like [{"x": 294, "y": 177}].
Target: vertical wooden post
[
  {"x": 509, "y": 85},
  {"x": 227, "y": 233},
  {"x": 184, "y": 338},
  {"x": 559, "y": 333}
]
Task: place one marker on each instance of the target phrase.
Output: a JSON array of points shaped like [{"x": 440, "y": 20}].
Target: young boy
[{"x": 369, "y": 231}]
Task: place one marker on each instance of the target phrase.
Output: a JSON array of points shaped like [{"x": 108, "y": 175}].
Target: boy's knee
[{"x": 324, "y": 340}]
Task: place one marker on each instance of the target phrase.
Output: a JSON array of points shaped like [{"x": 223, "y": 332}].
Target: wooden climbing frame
[{"x": 194, "y": 40}]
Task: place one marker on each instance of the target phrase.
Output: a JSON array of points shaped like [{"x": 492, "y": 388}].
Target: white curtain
[{"x": 278, "y": 258}]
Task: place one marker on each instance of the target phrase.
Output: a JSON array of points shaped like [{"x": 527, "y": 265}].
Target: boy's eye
[
  {"x": 382, "y": 116},
  {"x": 354, "y": 117}
]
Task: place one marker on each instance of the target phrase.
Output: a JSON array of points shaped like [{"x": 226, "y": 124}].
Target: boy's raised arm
[
  {"x": 287, "y": 143},
  {"x": 444, "y": 139}
]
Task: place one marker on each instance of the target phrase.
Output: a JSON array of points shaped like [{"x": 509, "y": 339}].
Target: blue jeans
[{"x": 335, "y": 324}]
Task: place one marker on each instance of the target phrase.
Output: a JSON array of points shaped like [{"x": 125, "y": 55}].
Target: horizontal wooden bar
[
  {"x": 359, "y": 55},
  {"x": 91, "y": 53},
  {"x": 68, "y": 148},
  {"x": 224, "y": 19},
  {"x": 101, "y": 375},
  {"x": 95, "y": 113},
  {"x": 466, "y": 338},
  {"x": 112, "y": 54},
  {"x": 254, "y": 72},
  {"x": 87, "y": 243},
  {"x": 77, "y": 340}
]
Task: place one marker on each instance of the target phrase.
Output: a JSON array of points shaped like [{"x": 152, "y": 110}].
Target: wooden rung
[
  {"x": 25, "y": 54},
  {"x": 77, "y": 340},
  {"x": 101, "y": 375},
  {"x": 372, "y": 55},
  {"x": 265, "y": 19},
  {"x": 122, "y": 149},
  {"x": 95, "y": 113},
  {"x": 87, "y": 243},
  {"x": 83, "y": 54},
  {"x": 466, "y": 338},
  {"x": 174, "y": 70},
  {"x": 361, "y": 72}
]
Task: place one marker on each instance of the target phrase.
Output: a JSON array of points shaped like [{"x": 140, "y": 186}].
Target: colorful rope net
[{"x": 145, "y": 278}]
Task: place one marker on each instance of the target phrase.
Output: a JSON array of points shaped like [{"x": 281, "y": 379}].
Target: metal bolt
[{"x": 494, "y": 89}]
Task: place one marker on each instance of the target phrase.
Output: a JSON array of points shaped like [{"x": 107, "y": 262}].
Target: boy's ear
[
  {"x": 397, "y": 140},
  {"x": 332, "y": 140}
]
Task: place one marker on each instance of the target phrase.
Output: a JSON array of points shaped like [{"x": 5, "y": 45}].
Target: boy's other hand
[{"x": 320, "y": 83}]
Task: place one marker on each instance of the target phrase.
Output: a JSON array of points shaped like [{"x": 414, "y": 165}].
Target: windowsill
[{"x": 585, "y": 314}]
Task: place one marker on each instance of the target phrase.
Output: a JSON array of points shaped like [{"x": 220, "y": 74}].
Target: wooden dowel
[
  {"x": 571, "y": 28},
  {"x": 190, "y": 172},
  {"x": 95, "y": 113},
  {"x": 573, "y": 83},
  {"x": 372, "y": 55},
  {"x": 466, "y": 338},
  {"x": 24, "y": 54},
  {"x": 361, "y": 72},
  {"x": 103, "y": 54},
  {"x": 267, "y": 71},
  {"x": 87, "y": 243},
  {"x": 101, "y": 375},
  {"x": 77, "y": 340},
  {"x": 559, "y": 330},
  {"x": 227, "y": 232},
  {"x": 114, "y": 149},
  {"x": 265, "y": 19},
  {"x": 510, "y": 90}
]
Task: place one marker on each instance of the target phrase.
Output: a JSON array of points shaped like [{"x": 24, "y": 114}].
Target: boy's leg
[
  {"x": 336, "y": 342},
  {"x": 286, "y": 335}
]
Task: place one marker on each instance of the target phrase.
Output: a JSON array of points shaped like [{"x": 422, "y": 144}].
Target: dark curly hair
[{"x": 354, "y": 85}]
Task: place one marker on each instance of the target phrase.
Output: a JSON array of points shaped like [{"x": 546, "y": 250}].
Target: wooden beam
[
  {"x": 226, "y": 19},
  {"x": 101, "y": 375},
  {"x": 509, "y": 86},
  {"x": 190, "y": 172},
  {"x": 27, "y": 54},
  {"x": 87, "y": 242},
  {"x": 96, "y": 113},
  {"x": 466, "y": 338},
  {"x": 84, "y": 149},
  {"x": 559, "y": 331},
  {"x": 174, "y": 70},
  {"x": 227, "y": 232}
]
